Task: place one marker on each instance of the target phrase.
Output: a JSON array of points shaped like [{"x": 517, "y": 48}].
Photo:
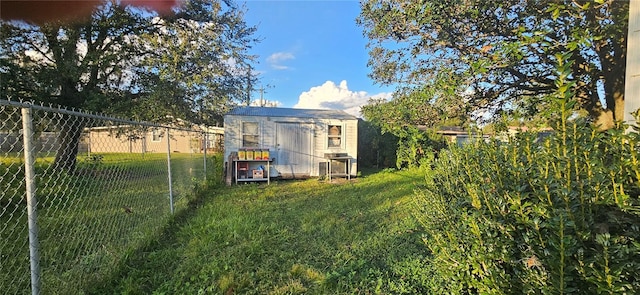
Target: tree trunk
[
  {"x": 605, "y": 120},
  {"x": 619, "y": 105},
  {"x": 68, "y": 141},
  {"x": 614, "y": 96},
  {"x": 613, "y": 59},
  {"x": 614, "y": 87}
]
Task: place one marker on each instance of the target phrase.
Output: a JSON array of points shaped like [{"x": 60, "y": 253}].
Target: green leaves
[
  {"x": 415, "y": 115},
  {"x": 555, "y": 9},
  {"x": 504, "y": 50},
  {"x": 547, "y": 216},
  {"x": 120, "y": 59}
]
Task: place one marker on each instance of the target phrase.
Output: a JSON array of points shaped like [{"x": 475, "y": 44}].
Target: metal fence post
[
  {"x": 30, "y": 186},
  {"x": 205, "y": 146},
  {"x": 169, "y": 169}
]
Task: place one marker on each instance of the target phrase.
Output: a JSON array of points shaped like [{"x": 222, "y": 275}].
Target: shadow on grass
[
  {"x": 291, "y": 237},
  {"x": 367, "y": 171},
  {"x": 155, "y": 259}
]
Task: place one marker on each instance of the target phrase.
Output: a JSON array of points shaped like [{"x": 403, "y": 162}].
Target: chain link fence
[{"x": 81, "y": 190}]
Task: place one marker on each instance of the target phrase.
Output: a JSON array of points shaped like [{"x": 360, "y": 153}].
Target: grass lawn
[
  {"x": 290, "y": 237},
  {"x": 84, "y": 226}
]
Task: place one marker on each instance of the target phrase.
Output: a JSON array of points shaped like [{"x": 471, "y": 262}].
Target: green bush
[
  {"x": 558, "y": 215},
  {"x": 375, "y": 148}
]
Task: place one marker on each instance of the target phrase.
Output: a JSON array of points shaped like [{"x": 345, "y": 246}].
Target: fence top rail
[{"x": 62, "y": 110}]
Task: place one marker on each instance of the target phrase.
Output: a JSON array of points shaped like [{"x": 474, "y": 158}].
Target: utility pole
[
  {"x": 249, "y": 86},
  {"x": 261, "y": 96}
]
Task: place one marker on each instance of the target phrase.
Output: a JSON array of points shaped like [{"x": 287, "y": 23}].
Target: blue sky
[{"x": 312, "y": 54}]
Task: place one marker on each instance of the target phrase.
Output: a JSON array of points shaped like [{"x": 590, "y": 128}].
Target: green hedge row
[{"x": 558, "y": 215}]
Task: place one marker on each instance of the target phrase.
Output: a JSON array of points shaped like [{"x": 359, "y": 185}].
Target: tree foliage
[
  {"x": 124, "y": 57},
  {"x": 201, "y": 57},
  {"x": 503, "y": 51},
  {"x": 413, "y": 117},
  {"x": 130, "y": 62}
]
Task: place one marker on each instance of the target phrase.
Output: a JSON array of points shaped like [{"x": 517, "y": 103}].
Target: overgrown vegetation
[
  {"x": 558, "y": 215},
  {"x": 553, "y": 216},
  {"x": 303, "y": 237},
  {"x": 404, "y": 119}
]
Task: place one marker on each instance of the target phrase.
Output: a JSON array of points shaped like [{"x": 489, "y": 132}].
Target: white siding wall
[
  {"x": 233, "y": 133},
  {"x": 352, "y": 144},
  {"x": 350, "y": 137},
  {"x": 233, "y": 137},
  {"x": 632, "y": 79}
]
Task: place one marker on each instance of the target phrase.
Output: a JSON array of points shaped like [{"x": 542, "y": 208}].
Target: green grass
[
  {"x": 90, "y": 219},
  {"x": 290, "y": 237}
]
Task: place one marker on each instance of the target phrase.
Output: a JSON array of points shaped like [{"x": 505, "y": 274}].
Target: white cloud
[
  {"x": 280, "y": 56},
  {"x": 337, "y": 97},
  {"x": 275, "y": 60},
  {"x": 279, "y": 67}
]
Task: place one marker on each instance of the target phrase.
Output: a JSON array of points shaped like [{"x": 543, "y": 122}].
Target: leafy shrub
[
  {"x": 375, "y": 148},
  {"x": 416, "y": 146},
  {"x": 553, "y": 216}
]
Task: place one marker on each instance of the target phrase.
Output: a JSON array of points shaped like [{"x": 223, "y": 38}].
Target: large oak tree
[
  {"x": 502, "y": 52},
  {"x": 129, "y": 61}
]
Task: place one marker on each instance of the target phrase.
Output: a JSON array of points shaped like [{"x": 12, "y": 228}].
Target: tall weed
[{"x": 553, "y": 216}]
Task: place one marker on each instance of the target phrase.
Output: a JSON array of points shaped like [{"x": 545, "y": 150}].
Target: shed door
[{"x": 294, "y": 143}]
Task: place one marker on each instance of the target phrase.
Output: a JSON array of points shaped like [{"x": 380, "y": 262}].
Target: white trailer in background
[{"x": 301, "y": 142}]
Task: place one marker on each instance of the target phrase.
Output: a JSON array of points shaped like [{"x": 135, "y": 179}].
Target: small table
[
  {"x": 347, "y": 162},
  {"x": 267, "y": 176}
]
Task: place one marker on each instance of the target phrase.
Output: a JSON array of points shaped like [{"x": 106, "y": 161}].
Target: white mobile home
[{"x": 300, "y": 142}]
